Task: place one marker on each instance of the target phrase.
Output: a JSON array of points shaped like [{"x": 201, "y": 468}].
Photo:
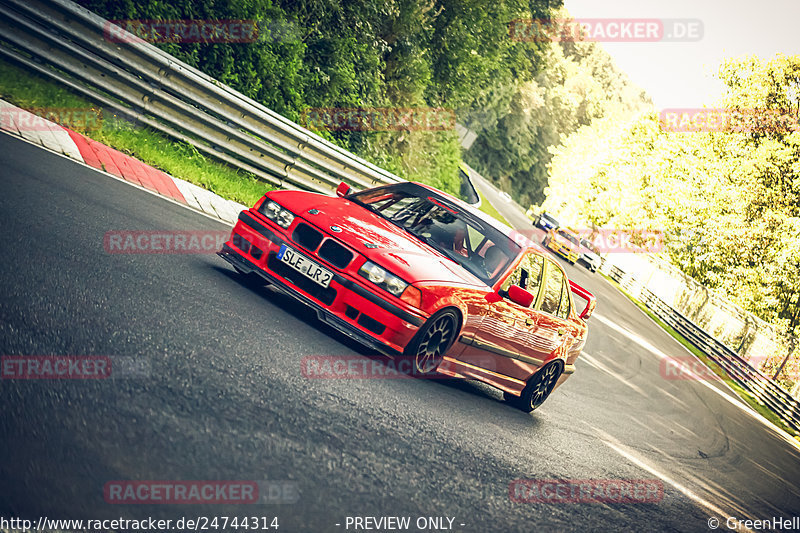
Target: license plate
[{"x": 305, "y": 266}]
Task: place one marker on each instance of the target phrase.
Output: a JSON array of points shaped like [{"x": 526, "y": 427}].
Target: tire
[
  {"x": 432, "y": 341},
  {"x": 538, "y": 388}
]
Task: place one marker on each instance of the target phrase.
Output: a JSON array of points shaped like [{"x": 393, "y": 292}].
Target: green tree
[
  {"x": 453, "y": 54},
  {"x": 729, "y": 201},
  {"x": 578, "y": 85}
]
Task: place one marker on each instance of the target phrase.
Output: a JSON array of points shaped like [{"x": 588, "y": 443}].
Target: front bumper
[
  {"x": 544, "y": 225},
  {"x": 591, "y": 264},
  {"x": 346, "y": 306}
]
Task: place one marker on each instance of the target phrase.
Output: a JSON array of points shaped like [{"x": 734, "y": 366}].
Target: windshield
[
  {"x": 550, "y": 219},
  {"x": 479, "y": 248},
  {"x": 569, "y": 236},
  {"x": 588, "y": 246}
]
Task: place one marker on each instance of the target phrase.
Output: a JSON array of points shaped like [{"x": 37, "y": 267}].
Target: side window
[
  {"x": 527, "y": 275},
  {"x": 520, "y": 273},
  {"x": 563, "y": 309},
  {"x": 553, "y": 284},
  {"x": 536, "y": 263}
]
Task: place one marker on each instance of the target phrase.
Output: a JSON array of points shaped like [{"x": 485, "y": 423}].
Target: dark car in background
[{"x": 546, "y": 222}]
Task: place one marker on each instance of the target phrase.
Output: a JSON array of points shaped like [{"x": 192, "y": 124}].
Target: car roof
[{"x": 569, "y": 231}]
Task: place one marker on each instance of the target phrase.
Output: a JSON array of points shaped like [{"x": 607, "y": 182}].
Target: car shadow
[
  {"x": 492, "y": 403},
  {"x": 491, "y": 400},
  {"x": 295, "y": 308}
]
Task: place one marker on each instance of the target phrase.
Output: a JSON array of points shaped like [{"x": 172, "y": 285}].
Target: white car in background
[{"x": 589, "y": 256}]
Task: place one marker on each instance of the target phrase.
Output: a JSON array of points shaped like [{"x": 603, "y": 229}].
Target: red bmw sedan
[{"x": 414, "y": 272}]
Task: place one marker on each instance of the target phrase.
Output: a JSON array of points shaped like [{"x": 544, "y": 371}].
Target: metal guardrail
[
  {"x": 761, "y": 386},
  {"x": 69, "y": 44}
]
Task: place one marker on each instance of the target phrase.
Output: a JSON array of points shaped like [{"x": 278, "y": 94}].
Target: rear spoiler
[{"x": 591, "y": 301}]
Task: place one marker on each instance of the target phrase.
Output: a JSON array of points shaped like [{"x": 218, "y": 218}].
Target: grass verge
[
  {"x": 39, "y": 95},
  {"x": 489, "y": 209},
  {"x": 743, "y": 393}
]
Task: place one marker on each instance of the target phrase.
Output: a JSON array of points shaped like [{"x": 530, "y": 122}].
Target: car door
[
  {"x": 505, "y": 341},
  {"x": 554, "y": 330}
]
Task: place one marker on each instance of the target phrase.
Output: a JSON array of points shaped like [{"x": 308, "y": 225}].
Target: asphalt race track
[{"x": 223, "y": 396}]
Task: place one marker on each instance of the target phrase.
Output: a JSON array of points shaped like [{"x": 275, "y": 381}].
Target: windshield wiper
[
  {"x": 466, "y": 265},
  {"x": 368, "y": 207},
  {"x": 447, "y": 254},
  {"x": 453, "y": 256}
]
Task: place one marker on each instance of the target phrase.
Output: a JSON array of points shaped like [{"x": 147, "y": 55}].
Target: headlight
[
  {"x": 271, "y": 209},
  {"x": 373, "y": 272},
  {"x": 285, "y": 219},
  {"x": 383, "y": 279},
  {"x": 395, "y": 285},
  {"x": 274, "y": 211}
]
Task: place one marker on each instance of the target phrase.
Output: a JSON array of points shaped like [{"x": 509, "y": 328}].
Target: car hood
[{"x": 376, "y": 238}]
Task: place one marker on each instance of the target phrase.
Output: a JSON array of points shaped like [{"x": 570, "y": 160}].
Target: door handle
[
  {"x": 529, "y": 321},
  {"x": 561, "y": 331}
]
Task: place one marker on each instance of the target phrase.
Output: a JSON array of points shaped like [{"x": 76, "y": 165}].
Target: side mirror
[
  {"x": 342, "y": 190},
  {"x": 520, "y": 296}
]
